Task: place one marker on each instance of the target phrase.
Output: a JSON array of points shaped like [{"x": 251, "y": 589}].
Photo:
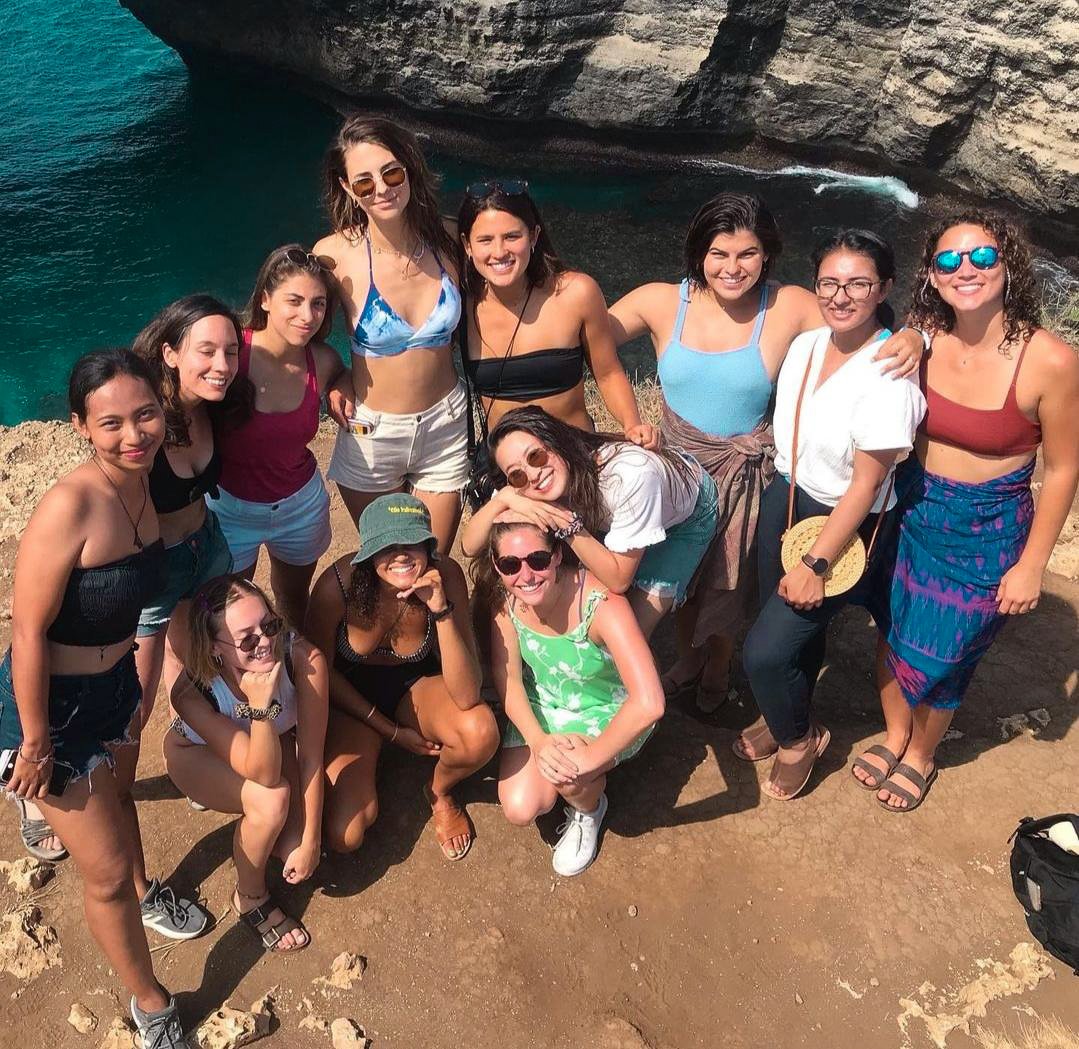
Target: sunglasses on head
[
  {"x": 511, "y": 187},
  {"x": 308, "y": 261},
  {"x": 268, "y": 628},
  {"x": 983, "y": 258},
  {"x": 534, "y": 457},
  {"x": 538, "y": 561},
  {"x": 392, "y": 177}
]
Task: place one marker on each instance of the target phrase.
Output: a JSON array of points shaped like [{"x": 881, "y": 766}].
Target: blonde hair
[{"x": 206, "y": 618}]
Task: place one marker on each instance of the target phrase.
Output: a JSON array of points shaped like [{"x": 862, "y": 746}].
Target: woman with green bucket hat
[{"x": 393, "y": 621}]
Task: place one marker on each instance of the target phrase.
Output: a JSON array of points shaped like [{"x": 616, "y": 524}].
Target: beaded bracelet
[{"x": 569, "y": 531}]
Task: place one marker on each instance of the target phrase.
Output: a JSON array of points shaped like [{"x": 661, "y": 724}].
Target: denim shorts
[
  {"x": 202, "y": 556},
  {"x": 667, "y": 568},
  {"x": 427, "y": 450},
  {"x": 296, "y": 529},
  {"x": 87, "y": 713}
]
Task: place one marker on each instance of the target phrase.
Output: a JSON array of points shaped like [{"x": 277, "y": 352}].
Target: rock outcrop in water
[{"x": 983, "y": 92}]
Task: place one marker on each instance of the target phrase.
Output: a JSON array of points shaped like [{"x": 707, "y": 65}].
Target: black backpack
[{"x": 1045, "y": 878}]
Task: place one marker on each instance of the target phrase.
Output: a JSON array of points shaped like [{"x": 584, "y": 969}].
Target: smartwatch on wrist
[{"x": 817, "y": 565}]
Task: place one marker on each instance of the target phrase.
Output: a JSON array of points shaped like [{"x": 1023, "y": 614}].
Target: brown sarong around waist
[{"x": 741, "y": 466}]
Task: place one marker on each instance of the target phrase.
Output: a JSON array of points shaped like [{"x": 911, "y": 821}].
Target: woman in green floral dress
[{"x": 579, "y": 685}]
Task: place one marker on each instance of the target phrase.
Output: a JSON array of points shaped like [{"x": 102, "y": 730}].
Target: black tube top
[
  {"x": 101, "y": 605},
  {"x": 530, "y": 377},
  {"x": 170, "y": 493}
]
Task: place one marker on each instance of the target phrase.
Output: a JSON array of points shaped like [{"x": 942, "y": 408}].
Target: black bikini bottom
[{"x": 385, "y": 684}]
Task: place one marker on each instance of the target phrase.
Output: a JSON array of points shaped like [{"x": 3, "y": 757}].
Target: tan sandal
[
  {"x": 758, "y": 732},
  {"x": 791, "y": 779},
  {"x": 450, "y": 821}
]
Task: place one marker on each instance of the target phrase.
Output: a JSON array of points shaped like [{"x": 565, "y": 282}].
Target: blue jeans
[
  {"x": 202, "y": 556},
  {"x": 87, "y": 713},
  {"x": 784, "y": 649}
]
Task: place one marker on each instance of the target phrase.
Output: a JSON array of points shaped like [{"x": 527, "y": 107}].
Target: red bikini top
[{"x": 999, "y": 432}]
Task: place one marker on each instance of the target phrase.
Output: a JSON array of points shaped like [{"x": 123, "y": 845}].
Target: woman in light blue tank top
[
  {"x": 403, "y": 414},
  {"x": 720, "y": 337}
]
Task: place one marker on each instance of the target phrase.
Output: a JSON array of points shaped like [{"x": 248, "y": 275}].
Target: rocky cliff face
[{"x": 983, "y": 92}]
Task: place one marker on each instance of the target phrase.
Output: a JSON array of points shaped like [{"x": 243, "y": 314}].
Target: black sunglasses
[
  {"x": 268, "y": 628},
  {"x": 511, "y": 187},
  {"x": 309, "y": 261},
  {"x": 538, "y": 561}
]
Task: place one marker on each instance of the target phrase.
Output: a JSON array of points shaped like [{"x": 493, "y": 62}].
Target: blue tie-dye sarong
[{"x": 955, "y": 542}]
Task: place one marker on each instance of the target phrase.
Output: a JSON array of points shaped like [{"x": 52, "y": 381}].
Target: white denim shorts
[
  {"x": 296, "y": 529},
  {"x": 428, "y": 450}
]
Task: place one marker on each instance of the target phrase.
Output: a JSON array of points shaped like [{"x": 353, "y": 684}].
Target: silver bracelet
[
  {"x": 370, "y": 712},
  {"x": 396, "y": 729}
]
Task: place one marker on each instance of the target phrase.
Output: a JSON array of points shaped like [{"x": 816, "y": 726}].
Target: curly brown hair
[{"x": 1022, "y": 305}]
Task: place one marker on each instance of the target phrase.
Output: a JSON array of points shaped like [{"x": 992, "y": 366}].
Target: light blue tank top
[
  {"x": 721, "y": 392},
  {"x": 382, "y": 332}
]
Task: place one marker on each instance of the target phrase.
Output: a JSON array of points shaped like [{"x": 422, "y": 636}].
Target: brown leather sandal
[
  {"x": 791, "y": 779},
  {"x": 878, "y": 750},
  {"x": 269, "y": 932},
  {"x": 922, "y": 783},
  {"x": 755, "y": 734},
  {"x": 450, "y": 821}
]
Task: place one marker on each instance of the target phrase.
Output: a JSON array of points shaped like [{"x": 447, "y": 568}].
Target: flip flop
[
  {"x": 804, "y": 765},
  {"x": 923, "y": 783},
  {"x": 675, "y": 691},
  {"x": 451, "y": 821},
  {"x": 35, "y": 831},
  {"x": 878, "y": 751}
]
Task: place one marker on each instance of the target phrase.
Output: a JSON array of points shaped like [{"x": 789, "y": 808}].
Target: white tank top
[{"x": 226, "y": 702}]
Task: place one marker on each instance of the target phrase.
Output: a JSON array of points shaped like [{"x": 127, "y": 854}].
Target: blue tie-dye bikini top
[{"x": 382, "y": 332}]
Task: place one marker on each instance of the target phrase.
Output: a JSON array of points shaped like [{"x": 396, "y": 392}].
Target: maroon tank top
[
  {"x": 997, "y": 432},
  {"x": 267, "y": 459}
]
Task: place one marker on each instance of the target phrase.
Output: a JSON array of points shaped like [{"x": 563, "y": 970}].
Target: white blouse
[{"x": 857, "y": 408}]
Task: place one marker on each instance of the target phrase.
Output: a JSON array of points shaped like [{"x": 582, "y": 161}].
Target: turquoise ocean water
[{"x": 124, "y": 183}]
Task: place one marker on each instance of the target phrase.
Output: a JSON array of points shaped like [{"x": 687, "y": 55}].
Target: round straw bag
[{"x": 849, "y": 564}]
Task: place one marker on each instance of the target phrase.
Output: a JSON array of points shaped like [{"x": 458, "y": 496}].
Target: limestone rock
[
  {"x": 27, "y": 874},
  {"x": 311, "y": 1022},
  {"x": 345, "y": 970},
  {"x": 347, "y": 1034},
  {"x": 979, "y": 91},
  {"x": 121, "y": 1034},
  {"x": 27, "y": 945},
  {"x": 230, "y": 1028},
  {"x": 81, "y": 1018}
]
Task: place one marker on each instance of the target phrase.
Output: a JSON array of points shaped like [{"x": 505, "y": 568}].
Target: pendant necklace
[{"x": 145, "y": 497}]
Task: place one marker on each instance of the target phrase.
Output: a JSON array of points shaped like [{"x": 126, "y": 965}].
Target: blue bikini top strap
[
  {"x": 759, "y": 326},
  {"x": 370, "y": 261},
  {"x": 683, "y": 305}
]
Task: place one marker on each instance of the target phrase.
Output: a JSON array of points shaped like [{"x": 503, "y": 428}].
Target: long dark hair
[
  {"x": 544, "y": 263},
  {"x": 729, "y": 213},
  {"x": 1022, "y": 305},
  {"x": 277, "y": 269},
  {"x": 867, "y": 243},
  {"x": 578, "y": 449},
  {"x": 172, "y": 326},
  {"x": 422, "y": 213},
  {"x": 92, "y": 370}
]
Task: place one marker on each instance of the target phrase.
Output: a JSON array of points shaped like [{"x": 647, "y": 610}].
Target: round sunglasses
[
  {"x": 983, "y": 258},
  {"x": 534, "y": 457},
  {"x": 306, "y": 260},
  {"x": 392, "y": 177},
  {"x": 538, "y": 561},
  {"x": 268, "y": 628}
]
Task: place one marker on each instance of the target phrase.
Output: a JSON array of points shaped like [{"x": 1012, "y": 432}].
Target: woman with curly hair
[
  {"x": 393, "y": 622},
  {"x": 971, "y": 547},
  {"x": 396, "y": 265}
]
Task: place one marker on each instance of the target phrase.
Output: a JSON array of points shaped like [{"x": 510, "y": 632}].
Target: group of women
[{"x": 808, "y": 456}]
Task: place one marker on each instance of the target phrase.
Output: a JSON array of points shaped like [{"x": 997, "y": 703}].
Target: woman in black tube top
[
  {"x": 90, "y": 559},
  {"x": 530, "y": 324}
]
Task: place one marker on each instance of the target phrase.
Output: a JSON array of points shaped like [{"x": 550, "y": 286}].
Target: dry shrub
[
  {"x": 1060, "y": 311},
  {"x": 1043, "y": 1034},
  {"x": 649, "y": 400}
]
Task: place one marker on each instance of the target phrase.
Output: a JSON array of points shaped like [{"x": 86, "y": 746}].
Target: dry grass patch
[{"x": 1043, "y": 1034}]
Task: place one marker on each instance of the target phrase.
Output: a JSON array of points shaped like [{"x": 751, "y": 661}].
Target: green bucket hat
[{"x": 393, "y": 520}]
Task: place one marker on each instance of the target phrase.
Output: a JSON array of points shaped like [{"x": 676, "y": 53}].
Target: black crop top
[
  {"x": 101, "y": 605},
  {"x": 532, "y": 376},
  {"x": 170, "y": 493}
]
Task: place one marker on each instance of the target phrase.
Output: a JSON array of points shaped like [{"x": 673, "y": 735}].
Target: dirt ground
[{"x": 714, "y": 916}]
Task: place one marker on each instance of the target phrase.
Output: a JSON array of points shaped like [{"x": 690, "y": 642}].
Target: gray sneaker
[
  {"x": 178, "y": 919},
  {"x": 160, "y": 1030}
]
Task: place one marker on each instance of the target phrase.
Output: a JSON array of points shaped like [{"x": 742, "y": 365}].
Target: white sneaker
[{"x": 579, "y": 840}]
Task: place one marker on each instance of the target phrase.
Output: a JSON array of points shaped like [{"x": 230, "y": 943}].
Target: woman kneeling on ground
[
  {"x": 90, "y": 559},
  {"x": 248, "y": 738},
  {"x": 840, "y": 425},
  {"x": 655, "y": 511},
  {"x": 393, "y": 618},
  {"x": 588, "y": 699},
  {"x": 972, "y": 549}
]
